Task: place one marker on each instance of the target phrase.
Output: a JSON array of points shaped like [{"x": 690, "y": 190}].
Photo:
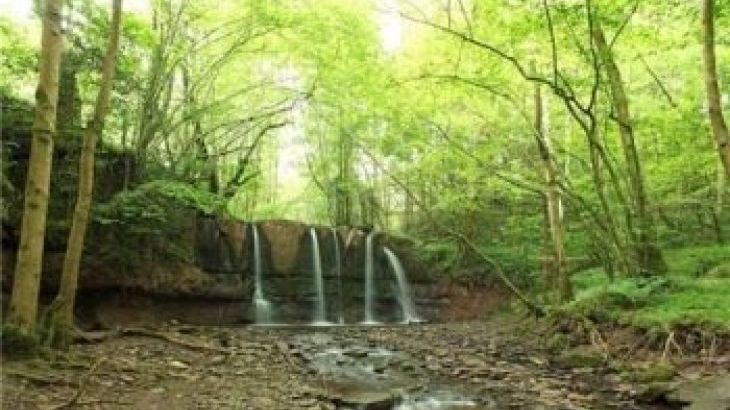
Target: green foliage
[
  {"x": 679, "y": 299},
  {"x": 149, "y": 222},
  {"x": 154, "y": 203},
  {"x": 440, "y": 255}
]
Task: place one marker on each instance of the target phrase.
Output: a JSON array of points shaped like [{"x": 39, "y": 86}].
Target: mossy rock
[
  {"x": 721, "y": 271},
  {"x": 581, "y": 356},
  {"x": 17, "y": 344},
  {"x": 655, "y": 392},
  {"x": 656, "y": 372}
]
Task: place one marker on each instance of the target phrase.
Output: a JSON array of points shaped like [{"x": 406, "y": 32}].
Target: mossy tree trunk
[
  {"x": 61, "y": 312},
  {"x": 648, "y": 258},
  {"x": 714, "y": 104},
  {"x": 24, "y": 300}
]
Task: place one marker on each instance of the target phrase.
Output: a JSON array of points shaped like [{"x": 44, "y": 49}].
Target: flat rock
[{"x": 704, "y": 394}]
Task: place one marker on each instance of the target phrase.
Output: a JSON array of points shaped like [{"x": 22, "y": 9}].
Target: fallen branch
[
  {"x": 135, "y": 331},
  {"x": 82, "y": 386},
  {"x": 38, "y": 379}
]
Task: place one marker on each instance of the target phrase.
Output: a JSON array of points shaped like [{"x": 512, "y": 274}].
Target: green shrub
[
  {"x": 149, "y": 222},
  {"x": 680, "y": 298}
]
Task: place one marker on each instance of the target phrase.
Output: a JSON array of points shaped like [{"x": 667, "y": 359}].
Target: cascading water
[
  {"x": 369, "y": 273},
  {"x": 338, "y": 272},
  {"x": 320, "y": 310},
  {"x": 404, "y": 294},
  {"x": 261, "y": 305}
]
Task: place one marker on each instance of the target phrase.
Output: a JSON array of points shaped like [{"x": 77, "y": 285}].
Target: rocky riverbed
[{"x": 484, "y": 365}]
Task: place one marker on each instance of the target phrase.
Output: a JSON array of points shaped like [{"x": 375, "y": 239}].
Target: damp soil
[{"x": 496, "y": 364}]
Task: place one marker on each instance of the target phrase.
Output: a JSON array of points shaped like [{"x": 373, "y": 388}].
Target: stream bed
[
  {"x": 494, "y": 364},
  {"x": 357, "y": 376}
]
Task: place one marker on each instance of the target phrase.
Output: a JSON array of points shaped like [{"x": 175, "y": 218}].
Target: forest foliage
[{"x": 418, "y": 117}]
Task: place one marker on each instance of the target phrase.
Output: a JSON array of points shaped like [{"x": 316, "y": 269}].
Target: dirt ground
[{"x": 496, "y": 364}]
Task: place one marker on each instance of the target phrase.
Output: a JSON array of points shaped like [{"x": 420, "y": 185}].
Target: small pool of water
[{"x": 363, "y": 377}]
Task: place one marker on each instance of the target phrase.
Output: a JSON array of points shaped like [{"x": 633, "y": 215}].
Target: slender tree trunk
[
  {"x": 721, "y": 186},
  {"x": 554, "y": 202},
  {"x": 648, "y": 257},
  {"x": 714, "y": 104},
  {"x": 407, "y": 208},
  {"x": 61, "y": 313},
  {"x": 24, "y": 300}
]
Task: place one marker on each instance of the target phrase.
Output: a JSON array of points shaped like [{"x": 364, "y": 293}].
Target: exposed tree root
[
  {"x": 132, "y": 331},
  {"x": 73, "y": 401},
  {"x": 671, "y": 342},
  {"x": 98, "y": 337}
]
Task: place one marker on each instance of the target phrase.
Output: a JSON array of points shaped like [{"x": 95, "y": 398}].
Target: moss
[
  {"x": 655, "y": 372},
  {"x": 17, "y": 344},
  {"x": 580, "y": 356}
]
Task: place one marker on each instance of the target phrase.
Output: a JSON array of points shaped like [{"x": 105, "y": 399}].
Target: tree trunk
[
  {"x": 61, "y": 313},
  {"x": 721, "y": 186},
  {"x": 554, "y": 201},
  {"x": 714, "y": 104},
  {"x": 24, "y": 300},
  {"x": 648, "y": 257}
]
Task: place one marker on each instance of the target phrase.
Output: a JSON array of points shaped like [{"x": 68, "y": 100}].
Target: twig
[{"x": 82, "y": 386}]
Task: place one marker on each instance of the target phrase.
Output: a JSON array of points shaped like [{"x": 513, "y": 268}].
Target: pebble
[{"x": 176, "y": 364}]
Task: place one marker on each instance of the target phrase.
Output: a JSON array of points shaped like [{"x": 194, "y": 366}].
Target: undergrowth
[{"x": 686, "y": 297}]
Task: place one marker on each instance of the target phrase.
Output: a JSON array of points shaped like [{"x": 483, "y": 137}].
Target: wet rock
[
  {"x": 217, "y": 360},
  {"x": 157, "y": 390},
  {"x": 408, "y": 367},
  {"x": 372, "y": 400},
  {"x": 356, "y": 353}
]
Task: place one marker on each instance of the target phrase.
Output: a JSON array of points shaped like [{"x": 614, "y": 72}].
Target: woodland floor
[{"x": 494, "y": 364}]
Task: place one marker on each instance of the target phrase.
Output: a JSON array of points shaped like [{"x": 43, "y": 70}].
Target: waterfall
[
  {"x": 320, "y": 311},
  {"x": 369, "y": 268},
  {"x": 404, "y": 290},
  {"x": 261, "y": 305},
  {"x": 338, "y": 272}
]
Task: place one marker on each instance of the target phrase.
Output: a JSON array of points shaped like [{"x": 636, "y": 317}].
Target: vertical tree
[
  {"x": 648, "y": 257},
  {"x": 61, "y": 313},
  {"x": 554, "y": 201},
  {"x": 24, "y": 300},
  {"x": 714, "y": 105}
]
